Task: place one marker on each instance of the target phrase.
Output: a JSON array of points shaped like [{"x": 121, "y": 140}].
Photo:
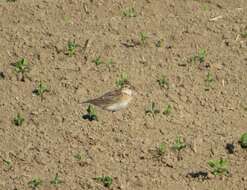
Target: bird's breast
[{"x": 123, "y": 103}]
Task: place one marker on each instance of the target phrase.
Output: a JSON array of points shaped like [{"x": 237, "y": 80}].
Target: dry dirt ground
[{"x": 207, "y": 97}]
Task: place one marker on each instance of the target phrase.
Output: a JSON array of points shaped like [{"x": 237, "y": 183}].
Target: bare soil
[{"x": 123, "y": 145}]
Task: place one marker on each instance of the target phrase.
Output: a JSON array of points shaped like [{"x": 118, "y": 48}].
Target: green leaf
[
  {"x": 218, "y": 167},
  {"x": 161, "y": 149},
  {"x": 122, "y": 80},
  {"x": 130, "y": 12},
  {"x": 34, "y": 183},
  {"x": 18, "y": 120},
  {"x": 152, "y": 110},
  {"x": 202, "y": 55},
  {"x": 71, "y": 48},
  {"x": 106, "y": 180},
  {"x": 98, "y": 61},
  {"x": 56, "y": 181},
  {"x": 163, "y": 82},
  {"x": 21, "y": 66},
  {"x": 243, "y": 140},
  {"x": 41, "y": 89},
  {"x": 143, "y": 36},
  {"x": 167, "y": 110},
  {"x": 91, "y": 114},
  {"x": 179, "y": 145}
]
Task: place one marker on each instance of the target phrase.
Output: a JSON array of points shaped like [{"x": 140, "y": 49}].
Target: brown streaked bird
[{"x": 115, "y": 100}]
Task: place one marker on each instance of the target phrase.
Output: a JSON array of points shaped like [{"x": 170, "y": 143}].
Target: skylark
[{"x": 115, "y": 100}]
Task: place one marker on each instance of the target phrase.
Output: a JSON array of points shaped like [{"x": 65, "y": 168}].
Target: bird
[{"x": 115, "y": 100}]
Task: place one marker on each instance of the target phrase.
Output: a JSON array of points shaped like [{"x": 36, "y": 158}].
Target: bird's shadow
[
  {"x": 200, "y": 174},
  {"x": 90, "y": 117}
]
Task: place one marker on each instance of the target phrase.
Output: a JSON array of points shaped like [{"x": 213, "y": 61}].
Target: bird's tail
[{"x": 86, "y": 102}]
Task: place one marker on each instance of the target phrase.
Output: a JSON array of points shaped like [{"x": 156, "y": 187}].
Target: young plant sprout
[
  {"x": 159, "y": 43},
  {"x": 143, "y": 37},
  {"x": 78, "y": 156},
  {"x": 106, "y": 180},
  {"x": 91, "y": 114},
  {"x": 167, "y": 110},
  {"x": 21, "y": 68},
  {"x": 98, "y": 61},
  {"x": 7, "y": 164},
  {"x": 179, "y": 144},
  {"x": 161, "y": 149},
  {"x": 35, "y": 183},
  {"x": 71, "y": 48},
  {"x": 152, "y": 110},
  {"x": 18, "y": 120},
  {"x": 200, "y": 57},
  {"x": 218, "y": 167},
  {"x": 121, "y": 81},
  {"x": 209, "y": 80},
  {"x": 40, "y": 90},
  {"x": 163, "y": 82},
  {"x": 56, "y": 181},
  {"x": 243, "y": 140},
  {"x": 130, "y": 12}
]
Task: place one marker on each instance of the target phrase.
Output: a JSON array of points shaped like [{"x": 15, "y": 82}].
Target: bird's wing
[{"x": 106, "y": 99}]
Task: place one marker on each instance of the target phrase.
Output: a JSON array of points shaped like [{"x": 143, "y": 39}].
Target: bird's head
[{"x": 128, "y": 89}]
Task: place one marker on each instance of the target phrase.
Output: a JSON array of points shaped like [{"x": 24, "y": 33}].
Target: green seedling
[
  {"x": 159, "y": 43},
  {"x": 78, "y": 157},
  {"x": 18, "y": 120},
  {"x": 200, "y": 57},
  {"x": 244, "y": 35},
  {"x": 205, "y": 7},
  {"x": 152, "y": 110},
  {"x": 122, "y": 80},
  {"x": 163, "y": 82},
  {"x": 130, "y": 12},
  {"x": 35, "y": 183},
  {"x": 243, "y": 140},
  {"x": 161, "y": 149},
  {"x": 40, "y": 90},
  {"x": 106, "y": 180},
  {"x": 71, "y": 48},
  {"x": 218, "y": 167},
  {"x": 91, "y": 114},
  {"x": 98, "y": 61},
  {"x": 7, "y": 163},
  {"x": 167, "y": 110},
  {"x": 21, "y": 67},
  {"x": 143, "y": 37},
  {"x": 209, "y": 79},
  {"x": 56, "y": 181},
  {"x": 179, "y": 144},
  {"x": 66, "y": 19},
  {"x": 109, "y": 62}
]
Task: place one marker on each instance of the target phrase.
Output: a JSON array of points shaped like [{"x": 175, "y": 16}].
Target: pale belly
[{"x": 118, "y": 106}]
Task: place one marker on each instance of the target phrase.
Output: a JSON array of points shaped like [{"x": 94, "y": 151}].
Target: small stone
[
  {"x": 230, "y": 148},
  {"x": 244, "y": 178},
  {"x": 2, "y": 76},
  {"x": 34, "y": 113},
  {"x": 59, "y": 47},
  {"x": 210, "y": 175}
]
